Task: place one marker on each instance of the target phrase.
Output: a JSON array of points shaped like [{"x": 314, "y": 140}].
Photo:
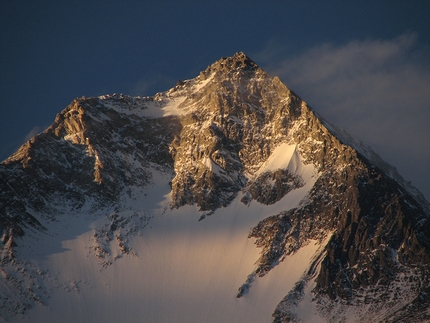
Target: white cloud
[{"x": 378, "y": 90}]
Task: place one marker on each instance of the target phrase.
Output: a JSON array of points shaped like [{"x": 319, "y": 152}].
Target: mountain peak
[
  {"x": 181, "y": 180},
  {"x": 239, "y": 61}
]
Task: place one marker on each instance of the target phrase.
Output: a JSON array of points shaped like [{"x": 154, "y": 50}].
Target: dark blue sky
[{"x": 363, "y": 65}]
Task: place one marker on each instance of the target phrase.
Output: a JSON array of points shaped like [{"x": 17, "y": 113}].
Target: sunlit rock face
[{"x": 234, "y": 146}]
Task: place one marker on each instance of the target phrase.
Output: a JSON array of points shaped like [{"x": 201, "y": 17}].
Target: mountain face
[{"x": 225, "y": 198}]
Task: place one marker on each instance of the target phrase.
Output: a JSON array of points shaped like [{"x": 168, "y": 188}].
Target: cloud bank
[{"x": 377, "y": 90}]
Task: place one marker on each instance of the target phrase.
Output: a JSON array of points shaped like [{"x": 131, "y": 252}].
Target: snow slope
[
  {"x": 285, "y": 156},
  {"x": 180, "y": 269}
]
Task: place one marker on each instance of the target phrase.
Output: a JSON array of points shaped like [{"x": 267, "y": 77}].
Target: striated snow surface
[{"x": 179, "y": 269}]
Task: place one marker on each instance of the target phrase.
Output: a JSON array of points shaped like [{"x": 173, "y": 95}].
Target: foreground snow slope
[{"x": 180, "y": 269}]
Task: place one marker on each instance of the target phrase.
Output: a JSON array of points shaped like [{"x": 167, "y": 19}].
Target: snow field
[
  {"x": 180, "y": 269},
  {"x": 285, "y": 156}
]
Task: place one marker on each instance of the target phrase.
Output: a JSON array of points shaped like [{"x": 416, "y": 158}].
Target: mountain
[{"x": 223, "y": 199}]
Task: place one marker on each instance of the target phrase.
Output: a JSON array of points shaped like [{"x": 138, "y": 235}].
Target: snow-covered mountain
[{"x": 223, "y": 199}]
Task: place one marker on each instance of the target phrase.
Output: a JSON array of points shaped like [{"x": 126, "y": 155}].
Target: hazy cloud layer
[{"x": 378, "y": 90}]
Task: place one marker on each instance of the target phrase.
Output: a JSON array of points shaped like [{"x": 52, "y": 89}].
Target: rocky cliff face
[{"x": 217, "y": 135}]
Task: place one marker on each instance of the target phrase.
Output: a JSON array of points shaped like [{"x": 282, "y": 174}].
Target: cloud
[{"x": 377, "y": 90}]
